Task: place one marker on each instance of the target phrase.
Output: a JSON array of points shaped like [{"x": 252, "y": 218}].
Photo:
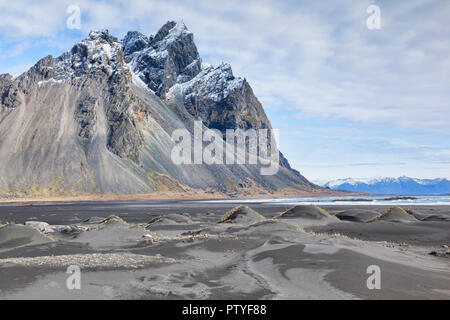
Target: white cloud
[
  {"x": 31, "y": 18},
  {"x": 17, "y": 69},
  {"x": 313, "y": 59}
]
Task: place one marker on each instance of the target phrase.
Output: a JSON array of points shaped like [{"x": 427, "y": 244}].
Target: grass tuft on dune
[
  {"x": 395, "y": 214},
  {"x": 306, "y": 212},
  {"x": 240, "y": 213},
  {"x": 113, "y": 219}
]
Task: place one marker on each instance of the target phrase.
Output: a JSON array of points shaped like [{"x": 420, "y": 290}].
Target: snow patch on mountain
[
  {"x": 213, "y": 83},
  {"x": 98, "y": 52},
  {"x": 148, "y": 56},
  {"x": 50, "y": 81}
]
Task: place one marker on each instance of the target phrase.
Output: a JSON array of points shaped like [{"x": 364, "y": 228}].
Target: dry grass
[
  {"x": 390, "y": 211},
  {"x": 154, "y": 220},
  {"x": 113, "y": 219},
  {"x": 5, "y": 223},
  {"x": 233, "y": 213},
  {"x": 325, "y": 212},
  {"x": 163, "y": 182}
]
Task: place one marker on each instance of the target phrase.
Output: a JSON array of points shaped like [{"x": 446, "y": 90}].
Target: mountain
[
  {"x": 402, "y": 185},
  {"x": 100, "y": 118}
]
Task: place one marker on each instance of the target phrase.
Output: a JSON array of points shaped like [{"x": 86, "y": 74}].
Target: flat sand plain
[{"x": 201, "y": 250}]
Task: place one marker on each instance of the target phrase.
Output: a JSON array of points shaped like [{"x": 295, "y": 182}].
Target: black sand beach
[{"x": 195, "y": 250}]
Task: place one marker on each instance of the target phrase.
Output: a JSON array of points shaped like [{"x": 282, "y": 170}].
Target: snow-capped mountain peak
[
  {"x": 98, "y": 55},
  {"x": 171, "y": 32},
  {"x": 92, "y": 123},
  {"x": 134, "y": 41},
  {"x": 388, "y": 185},
  {"x": 168, "y": 58},
  {"x": 214, "y": 83}
]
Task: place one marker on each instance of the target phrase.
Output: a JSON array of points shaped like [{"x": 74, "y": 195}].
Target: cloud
[
  {"x": 17, "y": 69},
  {"x": 311, "y": 61},
  {"x": 31, "y": 18}
]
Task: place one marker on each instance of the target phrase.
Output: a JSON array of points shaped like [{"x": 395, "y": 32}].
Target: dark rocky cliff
[{"x": 99, "y": 118}]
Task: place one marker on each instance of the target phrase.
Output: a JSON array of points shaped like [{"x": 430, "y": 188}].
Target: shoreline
[{"x": 168, "y": 196}]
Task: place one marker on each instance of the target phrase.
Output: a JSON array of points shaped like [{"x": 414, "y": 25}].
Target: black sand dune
[
  {"x": 112, "y": 219},
  {"x": 111, "y": 235},
  {"x": 174, "y": 224},
  {"x": 184, "y": 253},
  {"x": 395, "y": 214},
  {"x": 436, "y": 218},
  {"x": 94, "y": 220},
  {"x": 305, "y": 212},
  {"x": 13, "y": 236},
  {"x": 305, "y": 216},
  {"x": 242, "y": 215},
  {"x": 170, "y": 219},
  {"x": 421, "y": 233},
  {"x": 357, "y": 215}
]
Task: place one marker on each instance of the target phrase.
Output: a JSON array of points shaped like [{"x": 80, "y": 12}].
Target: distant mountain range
[{"x": 402, "y": 185}]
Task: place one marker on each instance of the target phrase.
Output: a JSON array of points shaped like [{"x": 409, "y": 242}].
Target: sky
[{"x": 349, "y": 100}]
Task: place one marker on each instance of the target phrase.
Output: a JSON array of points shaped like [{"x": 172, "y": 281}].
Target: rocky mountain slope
[
  {"x": 402, "y": 185},
  {"x": 99, "y": 118}
]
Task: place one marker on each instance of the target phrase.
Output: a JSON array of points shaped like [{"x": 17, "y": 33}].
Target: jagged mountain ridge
[
  {"x": 402, "y": 185},
  {"x": 170, "y": 65},
  {"x": 99, "y": 118}
]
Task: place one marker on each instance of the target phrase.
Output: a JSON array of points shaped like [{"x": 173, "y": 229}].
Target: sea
[{"x": 375, "y": 200}]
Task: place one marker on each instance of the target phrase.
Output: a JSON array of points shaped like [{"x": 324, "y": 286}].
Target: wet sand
[{"x": 195, "y": 250}]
